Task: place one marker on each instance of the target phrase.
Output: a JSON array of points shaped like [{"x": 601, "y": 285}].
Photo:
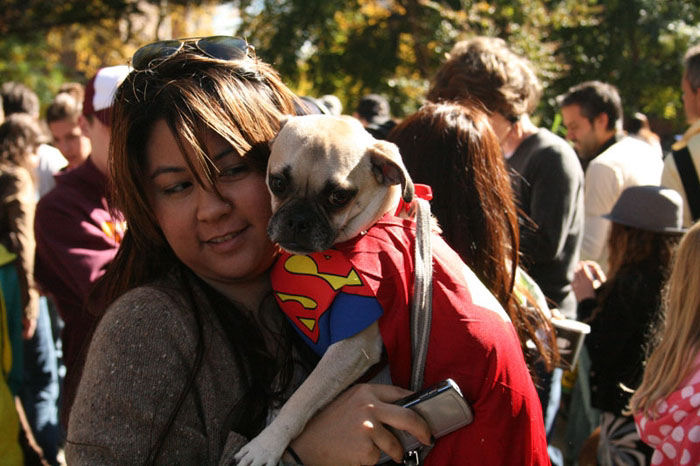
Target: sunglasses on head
[{"x": 218, "y": 47}]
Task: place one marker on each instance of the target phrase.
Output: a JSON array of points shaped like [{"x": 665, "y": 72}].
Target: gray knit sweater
[{"x": 136, "y": 368}]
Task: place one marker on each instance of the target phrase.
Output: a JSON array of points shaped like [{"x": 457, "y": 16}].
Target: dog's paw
[{"x": 258, "y": 453}]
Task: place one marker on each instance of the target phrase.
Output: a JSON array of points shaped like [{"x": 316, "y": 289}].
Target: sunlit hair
[
  {"x": 64, "y": 107},
  {"x": 485, "y": 69},
  {"x": 452, "y": 148},
  {"x": 241, "y": 101},
  {"x": 676, "y": 342},
  {"x": 20, "y": 135}
]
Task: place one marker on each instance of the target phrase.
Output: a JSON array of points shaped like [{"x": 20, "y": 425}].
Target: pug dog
[{"x": 329, "y": 181}]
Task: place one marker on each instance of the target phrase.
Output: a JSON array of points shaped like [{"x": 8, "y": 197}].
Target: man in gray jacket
[{"x": 546, "y": 176}]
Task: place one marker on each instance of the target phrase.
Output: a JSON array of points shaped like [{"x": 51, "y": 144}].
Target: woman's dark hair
[
  {"x": 241, "y": 101},
  {"x": 644, "y": 255},
  {"x": 452, "y": 148},
  {"x": 18, "y": 98},
  {"x": 638, "y": 249},
  {"x": 631, "y": 246},
  {"x": 20, "y": 135}
]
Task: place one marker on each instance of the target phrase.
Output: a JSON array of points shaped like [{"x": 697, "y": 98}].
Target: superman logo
[{"x": 306, "y": 285}]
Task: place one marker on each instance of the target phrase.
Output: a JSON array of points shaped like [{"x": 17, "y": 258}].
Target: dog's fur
[{"x": 330, "y": 180}]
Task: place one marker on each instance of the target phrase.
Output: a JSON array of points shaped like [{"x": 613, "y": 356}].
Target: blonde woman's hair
[{"x": 677, "y": 339}]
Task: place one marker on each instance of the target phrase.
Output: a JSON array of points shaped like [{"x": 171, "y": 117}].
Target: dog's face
[{"x": 330, "y": 180}]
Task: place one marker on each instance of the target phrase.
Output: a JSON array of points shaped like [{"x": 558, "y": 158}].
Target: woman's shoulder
[
  {"x": 164, "y": 292},
  {"x": 149, "y": 311},
  {"x": 14, "y": 179},
  {"x": 639, "y": 280}
]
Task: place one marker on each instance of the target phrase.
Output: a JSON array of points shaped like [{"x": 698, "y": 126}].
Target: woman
[
  {"x": 452, "y": 148},
  {"x": 193, "y": 356},
  {"x": 19, "y": 138},
  {"x": 19, "y": 305},
  {"x": 665, "y": 404},
  {"x": 646, "y": 222}
]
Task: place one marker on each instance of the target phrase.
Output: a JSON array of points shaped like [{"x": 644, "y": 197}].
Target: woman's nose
[{"x": 211, "y": 206}]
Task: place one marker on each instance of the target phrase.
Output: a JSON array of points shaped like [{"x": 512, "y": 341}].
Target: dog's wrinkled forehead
[{"x": 318, "y": 146}]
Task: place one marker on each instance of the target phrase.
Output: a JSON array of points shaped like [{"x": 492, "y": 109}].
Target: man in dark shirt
[{"x": 546, "y": 176}]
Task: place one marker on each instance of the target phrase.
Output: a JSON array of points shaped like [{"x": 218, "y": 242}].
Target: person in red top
[{"x": 77, "y": 235}]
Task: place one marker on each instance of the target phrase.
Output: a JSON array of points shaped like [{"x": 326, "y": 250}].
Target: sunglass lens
[
  {"x": 157, "y": 50},
  {"x": 223, "y": 47}
]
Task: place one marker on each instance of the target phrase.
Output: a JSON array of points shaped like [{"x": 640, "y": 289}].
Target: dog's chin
[{"x": 295, "y": 248}]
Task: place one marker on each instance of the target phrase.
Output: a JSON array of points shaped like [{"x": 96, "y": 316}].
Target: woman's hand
[
  {"x": 351, "y": 431},
  {"x": 588, "y": 276}
]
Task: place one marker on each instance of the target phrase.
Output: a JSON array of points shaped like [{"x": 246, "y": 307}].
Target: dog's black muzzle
[{"x": 301, "y": 226}]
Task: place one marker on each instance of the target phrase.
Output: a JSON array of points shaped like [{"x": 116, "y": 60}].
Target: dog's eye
[
  {"x": 340, "y": 197},
  {"x": 277, "y": 184}
]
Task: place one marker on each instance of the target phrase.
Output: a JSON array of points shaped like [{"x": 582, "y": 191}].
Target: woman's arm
[
  {"x": 138, "y": 362},
  {"x": 136, "y": 367}
]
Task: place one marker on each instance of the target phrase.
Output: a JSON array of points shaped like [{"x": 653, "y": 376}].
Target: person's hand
[
  {"x": 588, "y": 276},
  {"x": 28, "y": 327},
  {"x": 556, "y": 314},
  {"x": 351, "y": 431}
]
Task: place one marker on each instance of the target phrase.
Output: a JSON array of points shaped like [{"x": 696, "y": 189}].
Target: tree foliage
[
  {"x": 351, "y": 47},
  {"x": 45, "y": 44},
  {"x": 27, "y": 17},
  {"x": 637, "y": 45}
]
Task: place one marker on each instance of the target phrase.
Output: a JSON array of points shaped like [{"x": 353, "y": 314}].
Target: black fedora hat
[{"x": 651, "y": 208}]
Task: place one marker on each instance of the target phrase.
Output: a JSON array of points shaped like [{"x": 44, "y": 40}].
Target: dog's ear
[
  {"x": 282, "y": 121},
  {"x": 388, "y": 167}
]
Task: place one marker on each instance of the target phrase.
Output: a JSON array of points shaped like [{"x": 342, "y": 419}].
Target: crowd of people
[{"x": 137, "y": 319}]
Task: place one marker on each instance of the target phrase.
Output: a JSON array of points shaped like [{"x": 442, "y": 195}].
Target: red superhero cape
[{"x": 471, "y": 340}]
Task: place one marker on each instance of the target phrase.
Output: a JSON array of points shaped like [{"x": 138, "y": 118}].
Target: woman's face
[{"x": 224, "y": 241}]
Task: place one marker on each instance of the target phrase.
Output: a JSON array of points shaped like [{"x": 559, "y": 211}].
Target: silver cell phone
[{"x": 441, "y": 405}]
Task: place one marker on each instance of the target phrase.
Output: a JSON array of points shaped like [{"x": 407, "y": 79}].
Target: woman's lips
[
  {"x": 226, "y": 242},
  {"x": 226, "y": 237}
]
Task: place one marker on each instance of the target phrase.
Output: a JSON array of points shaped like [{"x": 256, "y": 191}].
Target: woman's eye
[
  {"x": 233, "y": 171},
  {"x": 176, "y": 188},
  {"x": 340, "y": 197}
]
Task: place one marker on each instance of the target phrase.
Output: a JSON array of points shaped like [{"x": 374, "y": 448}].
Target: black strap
[{"x": 689, "y": 178}]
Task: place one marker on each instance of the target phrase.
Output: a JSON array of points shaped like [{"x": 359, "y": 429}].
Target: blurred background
[{"x": 353, "y": 47}]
